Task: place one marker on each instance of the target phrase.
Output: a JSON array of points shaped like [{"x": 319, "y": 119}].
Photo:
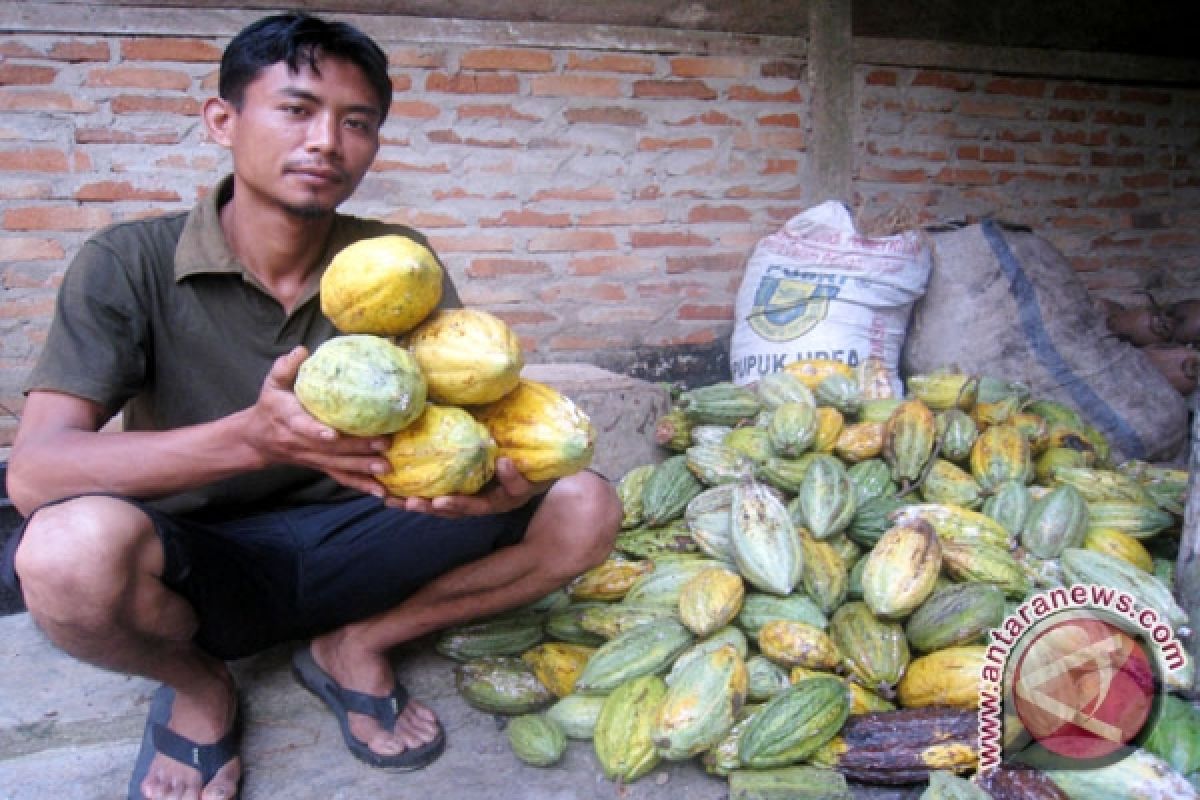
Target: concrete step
[{"x": 71, "y": 732}]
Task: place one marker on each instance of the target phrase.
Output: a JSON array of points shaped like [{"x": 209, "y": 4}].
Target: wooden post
[
  {"x": 831, "y": 79},
  {"x": 1187, "y": 566}
]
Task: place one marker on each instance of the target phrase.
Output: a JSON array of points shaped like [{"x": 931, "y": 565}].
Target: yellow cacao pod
[
  {"x": 859, "y": 441},
  {"x": 829, "y": 427},
  {"x": 1001, "y": 453},
  {"x": 711, "y": 600},
  {"x": 948, "y": 677},
  {"x": 623, "y": 737},
  {"x": 1119, "y": 544},
  {"x": 361, "y": 385},
  {"x": 811, "y": 371},
  {"x": 468, "y": 356},
  {"x": 901, "y": 570},
  {"x": 908, "y": 439},
  {"x": 797, "y": 644},
  {"x": 608, "y": 581},
  {"x": 558, "y": 665},
  {"x": 545, "y": 434},
  {"x": 383, "y": 285},
  {"x": 444, "y": 452}
]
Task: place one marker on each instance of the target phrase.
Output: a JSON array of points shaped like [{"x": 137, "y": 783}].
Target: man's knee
[
  {"x": 85, "y": 548},
  {"x": 584, "y": 514}
]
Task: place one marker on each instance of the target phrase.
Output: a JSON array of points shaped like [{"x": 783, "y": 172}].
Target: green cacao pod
[
  {"x": 623, "y": 736},
  {"x": 505, "y": 635},
  {"x": 1139, "y": 520},
  {"x": 648, "y": 649},
  {"x": 709, "y": 522},
  {"x": 536, "y": 740},
  {"x": 901, "y": 570},
  {"x": 730, "y": 635},
  {"x": 871, "y": 478},
  {"x": 792, "y": 429},
  {"x": 951, "y": 485},
  {"x": 1088, "y": 567},
  {"x": 759, "y": 608},
  {"x": 673, "y": 431},
  {"x": 668, "y": 490},
  {"x": 908, "y": 439},
  {"x": 1009, "y": 504},
  {"x": 564, "y": 624},
  {"x": 985, "y": 563},
  {"x": 825, "y": 575},
  {"x": 751, "y": 442},
  {"x": 719, "y": 404},
  {"x": 958, "y": 614},
  {"x": 576, "y": 715},
  {"x": 795, "y": 723},
  {"x": 502, "y": 685},
  {"x": 663, "y": 585},
  {"x": 701, "y": 704},
  {"x": 788, "y": 783},
  {"x": 875, "y": 651},
  {"x": 948, "y": 786},
  {"x": 764, "y": 678},
  {"x": 956, "y": 432},
  {"x": 841, "y": 392},
  {"x": 1057, "y": 520},
  {"x": 825, "y": 504},
  {"x": 765, "y": 546},
  {"x": 629, "y": 492},
  {"x": 715, "y": 464},
  {"x": 674, "y": 538},
  {"x": 785, "y": 474},
  {"x": 782, "y": 387}
]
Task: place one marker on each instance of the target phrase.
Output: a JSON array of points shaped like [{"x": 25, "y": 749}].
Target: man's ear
[{"x": 220, "y": 117}]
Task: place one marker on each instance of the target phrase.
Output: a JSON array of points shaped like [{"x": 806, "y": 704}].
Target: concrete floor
[{"x": 71, "y": 732}]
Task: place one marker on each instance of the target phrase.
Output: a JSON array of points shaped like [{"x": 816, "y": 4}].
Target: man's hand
[
  {"x": 509, "y": 489},
  {"x": 282, "y": 432}
]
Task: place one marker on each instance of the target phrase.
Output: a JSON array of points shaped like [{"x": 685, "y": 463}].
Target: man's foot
[
  {"x": 380, "y": 724},
  {"x": 189, "y": 749}
]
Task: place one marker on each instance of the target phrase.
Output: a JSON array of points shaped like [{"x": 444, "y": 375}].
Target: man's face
[{"x": 302, "y": 141}]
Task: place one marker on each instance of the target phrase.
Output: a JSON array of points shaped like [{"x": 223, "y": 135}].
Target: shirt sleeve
[{"x": 96, "y": 346}]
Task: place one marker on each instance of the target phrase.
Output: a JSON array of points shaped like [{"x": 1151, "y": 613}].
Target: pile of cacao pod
[
  {"x": 803, "y": 587},
  {"x": 1168, "y": 335},
  {"x": 445, "y": 385}
]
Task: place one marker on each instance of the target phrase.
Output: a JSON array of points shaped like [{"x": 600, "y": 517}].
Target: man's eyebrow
[{"x": 302, "y": 94}]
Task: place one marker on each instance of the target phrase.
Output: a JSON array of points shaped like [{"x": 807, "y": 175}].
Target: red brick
[
  {"x": 597, "y": 192},
  {"x": 698, "y": 90},
  {"x": 872, "y": 172},
  {"x": 579, "y": 343},
  {"x": 882, "y": 77},
  {"x": 414, "y": 109},
  {"x": 1066, "y": 115},
  {"x": 668, "y": 239},
  {"x": 138, "y": 104},
  {"x": 1075, "y": 91},
  {"x": 780, "y": 120},
  {"x": 1175, "y": 239},
  {"x": 972, "y": 107},
  {"x": 485, "y": 268},
  {"x": 75, "y": 51},
  {"x": 1114, "y": 116},
  {"x": 1148, "y": 96},
  {"x": 25, "y": 75},
  {"x": 755, "y": 94},
  {"x": 13, "y": 99},
  {"x": 116, "y": 191},
  {"x": 1152, "y": 180},
  {"x": 702, "y": 214},
  {"x": 642, "y": 215},
  {"x": 508, "y": 59},
  {"x": 709, "y": 262},
  {"x": 610, "y": 115},
  {"x": 1015, "y": 87},
  {"x": 950, "y": 175},
  {"x": 450, "y": 137},
  {"x": 574, "y": 86},
  {"x": 795, "y": 70},
  {"x": 524, "y": 318},
  {"x": 138, "y": 77},
  {"x": 652, "y": 143},
  {"x": 168, "y": 48},
  {"x": 743, "y": 192},
  {"x": 708, "y": 67},
  {"x": 472, "y": 243},
  {"x": 415, "y": 58},
  {"x": 780, "y": 166},
  {"x": 472, "y": 84},
  {"x": 494, "y": 112},
  {"x": 708, "y": 118},
  {"x": 567, "y": 241},
  {"x": 1122, "y": 200},
  {"x": 394, "y": 165},
  {"x": 778, "y": 139},
  {"x": 113, "y": 136},
  {"x": 944, "y": 80},
  {"x": 16, "y": 248},
  {"x": 178, "y": 161},
  {"x": 611, "y": 62},
  {"x": 690, "y": 311},
  {"x": 419, "y": 218},
  {"x": 34, "y": 159},
  {"x": 1058, "y": 158},
  {"x": 1021, "y": 137},
  {"x": 10, "y": 48},
  {"x": 56, "y": 218},
  {"x": 626, "y": 316},
  {"x": 526, "y": 219},
  {"x": 610, "y": 265},
  {"x": 400, "y": 83}
]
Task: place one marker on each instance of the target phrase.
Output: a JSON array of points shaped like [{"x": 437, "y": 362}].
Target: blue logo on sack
[{"x": 789, "y": 303}]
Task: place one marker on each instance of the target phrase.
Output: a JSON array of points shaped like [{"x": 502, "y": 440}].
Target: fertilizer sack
[{"x": 819, "y": 289}]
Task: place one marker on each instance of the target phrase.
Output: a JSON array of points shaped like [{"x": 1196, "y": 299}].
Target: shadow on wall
[{"x": 10, "y": 520}]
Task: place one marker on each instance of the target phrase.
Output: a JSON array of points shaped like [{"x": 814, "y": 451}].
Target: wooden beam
[
  {"x": 1187, "y": 564},
  {"x": 831, "y": 81}
]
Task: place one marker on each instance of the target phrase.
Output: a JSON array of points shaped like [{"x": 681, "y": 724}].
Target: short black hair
[{"x": 294, "y": 38}]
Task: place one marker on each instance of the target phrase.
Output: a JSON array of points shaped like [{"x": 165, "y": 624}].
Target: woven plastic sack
[{"x": 819, "y": 289}]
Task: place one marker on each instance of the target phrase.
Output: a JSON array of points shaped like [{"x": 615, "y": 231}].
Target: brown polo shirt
[{"x": 157, "y": 318}]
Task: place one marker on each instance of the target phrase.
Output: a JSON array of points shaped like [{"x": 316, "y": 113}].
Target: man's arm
[{"x": 58, "y": 451}]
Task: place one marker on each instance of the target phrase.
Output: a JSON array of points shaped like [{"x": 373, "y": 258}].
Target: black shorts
[{"x": 258, "y": 580}]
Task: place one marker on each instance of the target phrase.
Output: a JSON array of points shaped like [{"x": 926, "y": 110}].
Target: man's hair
[{"x": 296, "y": 39}]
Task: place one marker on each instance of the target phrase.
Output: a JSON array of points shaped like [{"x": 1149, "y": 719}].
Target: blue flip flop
[
  {"x": 208, "y": 759},
  {"x": 384, "y": 710}
]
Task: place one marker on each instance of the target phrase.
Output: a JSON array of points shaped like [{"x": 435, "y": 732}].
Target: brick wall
[{"x": 598, "y": 189}]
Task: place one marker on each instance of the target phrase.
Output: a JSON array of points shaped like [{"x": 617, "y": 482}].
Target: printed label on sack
[{"x": 790, "y": 302}]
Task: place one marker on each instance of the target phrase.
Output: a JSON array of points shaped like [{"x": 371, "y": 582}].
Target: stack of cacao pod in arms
[
  {"x": 445, "y": 384},
  {"x": 802, "y": 591}
]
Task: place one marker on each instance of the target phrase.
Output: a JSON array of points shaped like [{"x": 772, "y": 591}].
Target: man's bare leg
[
  {"x": 89, "y": 569},
  {"x": 572, "y": 531}
]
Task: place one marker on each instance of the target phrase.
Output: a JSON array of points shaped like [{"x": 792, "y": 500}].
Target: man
[{"x": 224, "y": 519}]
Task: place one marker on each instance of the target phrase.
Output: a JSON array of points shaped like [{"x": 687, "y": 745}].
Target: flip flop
[
  {"x": 157, "y": 738},
  {"x": 384, "y": 710}
]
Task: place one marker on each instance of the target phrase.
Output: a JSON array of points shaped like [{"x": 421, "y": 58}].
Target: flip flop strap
[
  {"x": 207, "y": 758},
  {"x": 384, "y": 710}
]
